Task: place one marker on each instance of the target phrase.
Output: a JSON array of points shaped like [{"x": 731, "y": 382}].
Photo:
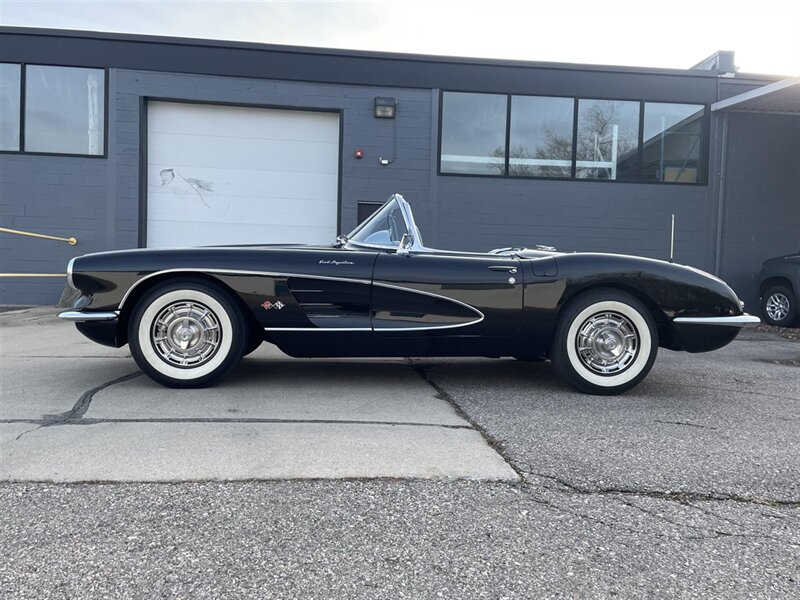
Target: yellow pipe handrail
[
  {"x": 4, "y": 275},
  {"x": 70, "y": 240}
]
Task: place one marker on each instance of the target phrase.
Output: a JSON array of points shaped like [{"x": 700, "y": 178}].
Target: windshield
[{"x": 385, "y": 228}]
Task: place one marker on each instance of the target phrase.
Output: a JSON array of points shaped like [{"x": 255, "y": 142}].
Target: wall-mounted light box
[{"x": 385, "y": 108}]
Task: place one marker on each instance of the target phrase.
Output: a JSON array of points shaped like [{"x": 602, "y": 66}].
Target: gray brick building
[{"x": 122, "y": 141}]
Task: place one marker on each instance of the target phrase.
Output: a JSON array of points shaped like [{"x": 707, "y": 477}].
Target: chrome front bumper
[
  {"x": 744, "y": 320},
  {"x": 77, "y": 316}
]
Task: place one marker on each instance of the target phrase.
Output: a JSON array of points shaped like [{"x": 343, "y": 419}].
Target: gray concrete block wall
[
  {"x": 762, "y": 197},
  {"x": 53, "y": 195},
  {"x": 484, "y": 213}
]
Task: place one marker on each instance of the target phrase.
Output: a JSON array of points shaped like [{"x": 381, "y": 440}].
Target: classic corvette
[{"x": 189, "y": 315}]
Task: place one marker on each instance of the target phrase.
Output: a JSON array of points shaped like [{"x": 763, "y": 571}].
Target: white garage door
[{"x": 231, "y": 175}]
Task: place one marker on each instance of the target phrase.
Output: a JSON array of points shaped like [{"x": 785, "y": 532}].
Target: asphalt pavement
[{"x": 688, "y": 486}]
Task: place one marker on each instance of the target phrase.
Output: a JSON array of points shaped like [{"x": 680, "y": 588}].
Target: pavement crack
[
  {"x": 82, "y": 405},
  {"x": 29, "y": 431},
  {"x": 681, "y": 497},
  {"x": 244, "y": 420},
  {"x": 737, "y": 391},
  {"x": 442, "y": 394},
  {"x": 686, "y": 424}
]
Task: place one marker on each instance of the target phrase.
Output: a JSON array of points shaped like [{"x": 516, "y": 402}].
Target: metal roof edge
[
  {"x": 757, "y": 93},
  {"x": 345, "y": 53}
]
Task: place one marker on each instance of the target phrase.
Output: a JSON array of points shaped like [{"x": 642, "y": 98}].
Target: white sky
[{"x": 666, "y": 33}]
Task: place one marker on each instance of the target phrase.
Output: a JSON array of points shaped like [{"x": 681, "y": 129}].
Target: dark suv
[{"x": 779, "y": 290}]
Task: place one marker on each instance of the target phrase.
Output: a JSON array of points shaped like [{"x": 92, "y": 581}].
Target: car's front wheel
[
  {"x": 605, "y": 343},
  {"x": 779, "y": 306},
  {"x": 187, "y": 334}
]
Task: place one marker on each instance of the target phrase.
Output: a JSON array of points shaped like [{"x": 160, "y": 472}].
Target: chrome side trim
[
  {"x": 77, "y": 316},
  {"x": 427, "y": 327},
  {"x": 381, "y": 330},
  {"x": 317, "y": 329},
  {"x": 738, "y": 321}
]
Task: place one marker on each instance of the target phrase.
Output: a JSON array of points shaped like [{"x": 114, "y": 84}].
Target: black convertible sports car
[{"x": 190, "y": 314}]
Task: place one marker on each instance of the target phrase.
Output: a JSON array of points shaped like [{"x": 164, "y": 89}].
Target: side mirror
[{"x": 406, "y": 242}]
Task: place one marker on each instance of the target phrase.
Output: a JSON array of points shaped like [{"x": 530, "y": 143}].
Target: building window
[
  {"x": 64, "y": 110},
  {"x": 589, "y": 139},
  {"x": 473, "y": 133},
  {"x": 672, "y": 142},
  {"x": 608, "y": 139},
  {"x": 10, "y": 77},
  {"x": 541, "y": 136}
]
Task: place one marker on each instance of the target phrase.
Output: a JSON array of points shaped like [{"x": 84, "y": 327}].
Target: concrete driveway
[{"x": 75, "y": 411}]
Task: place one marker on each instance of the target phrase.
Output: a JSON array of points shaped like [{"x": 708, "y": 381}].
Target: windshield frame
[{"x": 408, "y": 218}]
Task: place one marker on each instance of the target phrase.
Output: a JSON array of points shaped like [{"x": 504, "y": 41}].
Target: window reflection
[
  {"x": 541, "y": 136},
  {"x": 473, "y": 133},
  {"x": 608, "y": 139},
  {"x": 9, "y": 106},
  {"x": 64, "y": 110},
  {"x": 673, "y": 136}
]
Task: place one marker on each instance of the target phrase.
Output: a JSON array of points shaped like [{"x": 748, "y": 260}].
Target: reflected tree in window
[
  {"x": 541, "y": 136},
  {"x": 608, "y": 139}
]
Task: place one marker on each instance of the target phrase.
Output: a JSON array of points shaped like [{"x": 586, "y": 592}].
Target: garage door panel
[
  {"x": 242, "y": 122},
  {"x": 242, "y": 183},
  {"x": 239, "y": 153},
  {"x": 243, "y": 234},
  {"x": 219, "y": 174},
  {"x": 279, "y": 211}
]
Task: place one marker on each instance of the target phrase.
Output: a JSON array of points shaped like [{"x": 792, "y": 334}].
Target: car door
[{"x": 446, "y": 294}]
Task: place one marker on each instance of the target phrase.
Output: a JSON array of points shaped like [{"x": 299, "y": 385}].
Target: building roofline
[
  {"x": 762, "y": 92},
  {"x": 345, "y": 53}
]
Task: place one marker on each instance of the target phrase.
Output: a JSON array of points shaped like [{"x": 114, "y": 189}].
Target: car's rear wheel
[
  {"x": 605, "y": 343},
  {"x": 779, "y": 306},
  {"x": 187, "y": 334}
]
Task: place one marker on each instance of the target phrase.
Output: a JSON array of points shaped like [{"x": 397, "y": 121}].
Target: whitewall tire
[
  {"x": 605, "y": 343},
  {"x": 187, "y": 333}
]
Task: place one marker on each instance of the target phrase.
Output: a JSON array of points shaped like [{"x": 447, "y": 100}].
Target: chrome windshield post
[
  {"x": 411, "y": 226},
  {"x": 406, "y": 243}
]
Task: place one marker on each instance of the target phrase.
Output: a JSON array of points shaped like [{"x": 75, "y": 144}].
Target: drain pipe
[{"x": 721, "y": 194}]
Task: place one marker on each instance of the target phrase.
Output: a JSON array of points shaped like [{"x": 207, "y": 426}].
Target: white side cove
[{"x": 225, "y": 174}]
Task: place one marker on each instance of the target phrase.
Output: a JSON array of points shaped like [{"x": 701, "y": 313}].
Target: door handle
[{"x": 504, "y": 268}]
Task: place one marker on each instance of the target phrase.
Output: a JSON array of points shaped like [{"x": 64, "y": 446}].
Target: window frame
[
  {"x": 573, "y": 152},
  {"x": 22, "y": 84},
  {"x": 705, "y": 129},
  {"x": 440, "y": 127},
  {"x": 21, "y": 109},
  {"x": 704, "y": 158}
]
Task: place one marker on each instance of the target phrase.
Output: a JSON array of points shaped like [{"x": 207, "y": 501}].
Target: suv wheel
[{"x": 779, "y": 306}]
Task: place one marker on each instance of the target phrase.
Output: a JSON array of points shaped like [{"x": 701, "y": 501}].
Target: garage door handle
[{"x": 505, "y": 268}]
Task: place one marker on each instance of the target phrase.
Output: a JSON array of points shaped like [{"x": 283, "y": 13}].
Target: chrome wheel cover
[
  {"x": 607, "y": 343},
  {"x": 186, "y": 334},
  {"x": 777, "y": 306}
]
